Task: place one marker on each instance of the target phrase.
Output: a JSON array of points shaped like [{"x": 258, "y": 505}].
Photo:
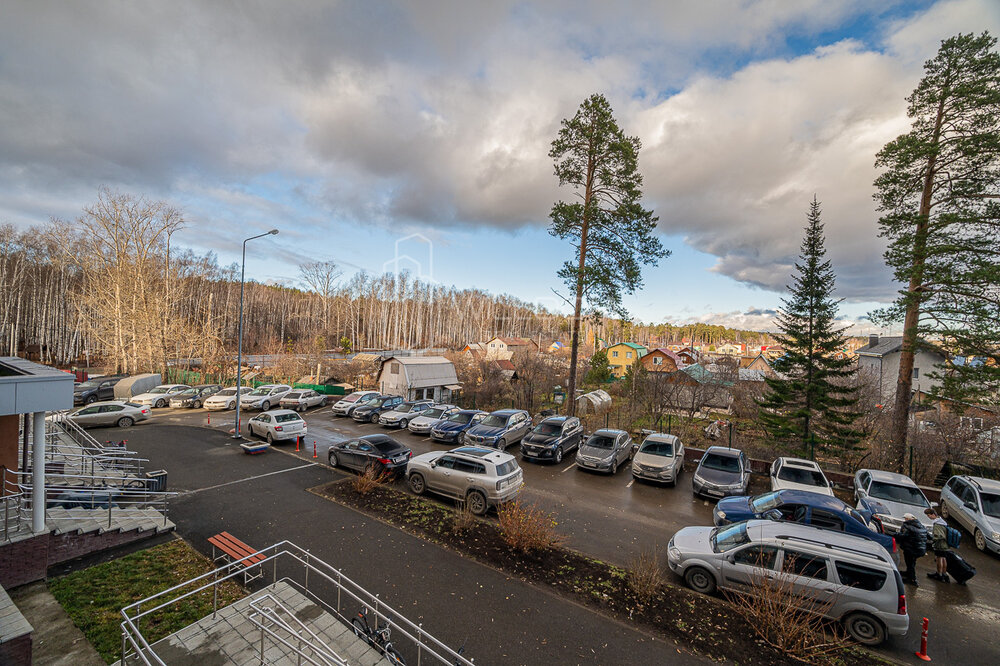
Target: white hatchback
[
  {"x": 280, "y": 424},
  {"x": 225, "y": 399},
  {"x": 799, "y": 474}
]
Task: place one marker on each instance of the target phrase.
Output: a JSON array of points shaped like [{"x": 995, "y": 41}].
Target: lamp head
[{"x": 273, "y": 232}]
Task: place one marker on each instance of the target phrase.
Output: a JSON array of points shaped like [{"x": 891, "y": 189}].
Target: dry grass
[
  {"x": 462, "y": 518},
  {"x": 644, "y": 575},
  {"x": 368, "y": 481},
  {"x": 526, "y": 528}
]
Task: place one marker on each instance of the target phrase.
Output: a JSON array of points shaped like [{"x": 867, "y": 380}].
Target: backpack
[{"x": 953, "y": 537}]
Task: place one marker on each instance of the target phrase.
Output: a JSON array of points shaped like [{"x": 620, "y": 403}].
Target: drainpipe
[{"x": 38, "y": 475}]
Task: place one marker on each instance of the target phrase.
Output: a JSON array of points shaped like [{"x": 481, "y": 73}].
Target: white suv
[
  {"x": 480, "y": 476},
  {"x": 850, "y": 581}
]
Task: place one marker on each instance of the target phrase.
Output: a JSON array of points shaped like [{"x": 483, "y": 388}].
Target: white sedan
[
  {"x": 225, "y": 399},
  {"x": 281, "y": 424},
  {"x": 265, "y": 397},
  {"x": 159, "y": 396},
  {"x": 799, "y": 474},
  {"x": 302, "y": 399}
]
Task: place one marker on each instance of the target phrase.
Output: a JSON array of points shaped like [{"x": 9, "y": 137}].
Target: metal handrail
[
  {"x": 322, "y": 651},
  {"x": 426, "y": 644}
]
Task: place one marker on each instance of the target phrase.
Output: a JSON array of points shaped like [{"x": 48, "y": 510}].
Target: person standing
[
  {"x": 939, "y": 544},
  {"x": 913, "y": 542}
]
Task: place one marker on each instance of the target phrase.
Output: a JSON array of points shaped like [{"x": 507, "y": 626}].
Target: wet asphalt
[{"x": 608, "y": 517}]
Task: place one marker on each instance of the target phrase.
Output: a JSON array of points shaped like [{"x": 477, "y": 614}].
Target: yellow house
[{"x": 622, "y": 355}]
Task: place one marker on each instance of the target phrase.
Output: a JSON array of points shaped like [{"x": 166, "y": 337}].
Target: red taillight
[
  {"x": 384, "y": 461},
  {"x": 409, "y": 454},
  {"x": 894, "y": 544},
  {"x": 901, "y": 607},
  {"x": 278, "y": 428}
]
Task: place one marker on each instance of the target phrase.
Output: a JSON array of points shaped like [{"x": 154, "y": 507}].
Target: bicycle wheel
[
  {"x": 360, "y": 629},
  {"x": 393, "y": 657}
]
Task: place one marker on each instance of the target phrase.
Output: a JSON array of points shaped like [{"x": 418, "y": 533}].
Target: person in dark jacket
[{"x": 912, "y": 539}]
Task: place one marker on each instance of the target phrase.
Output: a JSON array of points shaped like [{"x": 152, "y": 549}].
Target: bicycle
[{"x": 376, "y": 637}]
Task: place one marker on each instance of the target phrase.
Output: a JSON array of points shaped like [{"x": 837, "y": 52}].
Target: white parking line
[
  {"x": 249, "y": 478},
  {"x": 631, "y": 481},
  {"x": 425, "y": 439},
  {"x": 571, "y": 466}
]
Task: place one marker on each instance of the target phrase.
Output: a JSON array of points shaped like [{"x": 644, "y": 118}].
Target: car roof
[
  {"x": 203, "y": 385},
  {"x": 471, "y": 411},
  {"x": 483, "y": 453},
  {"x": 275, "y": 412},
  {"x": 609, "y": 431},
  {"x": 722, "y": 450},
  {"x": 818, "y": 538},
  {"x": 985, "y": 484},
  {"x": 661, "y": 437},
  {"x": 556, "y": 419},
  {"x": 889, "y": 477},
  {"x": 818, "y": 500},
  {"x": 507, "y": 412},
  {"x": 107, "y": 402},
  {"x": 801, "y": 463},
  {"x": 378, "y": 439}
]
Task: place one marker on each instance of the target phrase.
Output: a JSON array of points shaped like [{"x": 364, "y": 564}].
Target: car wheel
[
  {"x": 126, "y": 422},
  {"x": 270, "y": 438},
  {"x": 944, "y": 511},
  {"x": 231, "y": 405},
  {"x": 92, "y": 399},
  {"x": 559, "y": 455},
  {"x": 614, "y": 467},
  {"x": 865, "y": 629},
  {"x": 417, "y": 484},
  {"x": 322, "y": 403},
  {"x": 403, "y": 424},
  {"x": 502, "y": 444},
  {"x": 160, "y": 403},
  {"x": 980, "y": 540},
  {"x": 197, "y": 404},
  {"x": 700, "y": 579},
  {"x": 334, "y": 460},
  {"x": 264, "y": 406},
  {"x": 476, "y": 502},
  {"x": 374, "y": 418}
]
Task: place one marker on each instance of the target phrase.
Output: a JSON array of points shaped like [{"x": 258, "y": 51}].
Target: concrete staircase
[{"x": 85, "y": 521}]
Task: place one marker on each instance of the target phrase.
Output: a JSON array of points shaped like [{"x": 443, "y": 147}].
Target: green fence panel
[{"x": 325, "y": 389}]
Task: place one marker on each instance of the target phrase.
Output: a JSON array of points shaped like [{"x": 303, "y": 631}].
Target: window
[
  {"x": 469, "y": 467},
  {"x": 394, "y": 368},
  {"x": 916, "y": 373},
  {"x": 88, "y": 410},
  {"x": 865, "y": 578},
  {"x": 973, "y": 422},
  {"x": 826, "y": 519},
  {"x": 804, "y": 564},
  {"x": 111, "y": 408},
  {"x": 657, "y": 360},
  {"x": 503, "y": 469},
  {"x": 614, "y": 354},
  {"x": 757, "y": 556},
  {"x": 446, "y": 462},
  {"x": 628, "y": 354}
]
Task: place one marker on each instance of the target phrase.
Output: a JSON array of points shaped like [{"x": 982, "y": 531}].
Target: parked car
[
  {"x": 838, "y": 575},
  {"x": 500, "y": 429},
  {"x": 225, "y": 399},
  {"x": 799, "y": 474},
  {"x": 345, "y": 406},
  {"x": 195, "y": 396},
  {"x": 302, "y": 399},
  {"x": 159, "y": 396},
  {"x": 479, "y": 476},
  {"x": 379, "y": 452},
  {"x": 605, "y": 451},
  {"x": 974, "y": 502},
  {"x": 888, "y": 496},
  {"x": 264, "y": 397},
  {"x": 421, "y": 425},
  {"x": 281, "y": 424},
  {"x": 400, "y": 415},
  {"x": 372, "y": 409},
  {"x": 98, "y": 388},
  {"x": 110, "y": 412},
  {"x": 660, "y": 458},
  {"x": 721, "y": 472},
  {"x": 451, "y": 429},
  {"x": 553, "y": 438},
  {"x": 805, "y": 507}
]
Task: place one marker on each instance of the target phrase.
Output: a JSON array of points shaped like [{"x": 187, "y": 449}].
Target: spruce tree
[{"x": 811, "y": 403}]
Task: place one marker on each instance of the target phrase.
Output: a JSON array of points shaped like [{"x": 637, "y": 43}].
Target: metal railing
[
  {"x": 15, "y": 518},
  {"x": 277, "y": 622},
  {"x": 313, "y": 578}
]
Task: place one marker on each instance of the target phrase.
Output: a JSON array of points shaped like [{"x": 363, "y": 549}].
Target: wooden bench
[{"x": 236, "y": 552}]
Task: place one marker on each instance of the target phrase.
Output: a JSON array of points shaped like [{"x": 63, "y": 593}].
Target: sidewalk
[{"x": 56, "y": 641}]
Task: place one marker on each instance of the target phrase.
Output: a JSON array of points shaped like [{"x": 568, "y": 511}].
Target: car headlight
[
  {"x": 673, "y": 553},
  {"x": 996, "y": 536},
  {"x": 721, "y": 515}
]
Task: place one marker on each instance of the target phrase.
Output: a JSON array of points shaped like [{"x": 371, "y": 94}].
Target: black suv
[
  {"x": 552, "y": 438},
  {"x": 370, "y": 411},
  {"x": 98, "y": 388}
]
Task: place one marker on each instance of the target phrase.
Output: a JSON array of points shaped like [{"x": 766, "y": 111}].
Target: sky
[{"x": 414, "y": 136}]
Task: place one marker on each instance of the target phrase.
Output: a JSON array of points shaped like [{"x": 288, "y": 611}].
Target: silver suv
[
  {"x": 479, "y": 476},
  {"x": 839, "y": 575},
  {"x": 975, "y": 503}
]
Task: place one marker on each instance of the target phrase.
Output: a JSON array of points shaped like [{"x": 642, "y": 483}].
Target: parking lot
[{"x": 611, "y": 518}]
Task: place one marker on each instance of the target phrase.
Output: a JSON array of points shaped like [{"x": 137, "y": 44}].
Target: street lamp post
[{"x": 239, "y": 342}]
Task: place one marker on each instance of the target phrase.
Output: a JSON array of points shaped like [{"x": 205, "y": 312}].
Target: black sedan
[
  {"x": 379, "y": 452},
  {"x": 552, "y": 438}
]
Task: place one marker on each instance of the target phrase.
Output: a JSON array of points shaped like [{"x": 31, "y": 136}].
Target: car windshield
[
  {"x": 93, "y": 383},
  {"x": 350, "y": 398},
  {"x": 806, "y": 477},
  {"x": 460, "y": 418},
  {"x": 991, "y": 504},
  {"x": 656, "y": 448},
  {"x": 295, "y": 395},
  {"x": 132, "y": 404},
  {"x": 721, "y": 463},
  {"x": 263, "y": 390},
  {"x": 285, "y": 418},
  {"x": 433, "y": 412},
  {"x": 494, "y": 421},
  {"x": 226, "y": 392},
  {"x": 404, "y": 408},
  {"x": 729, "y": 537},
  {"x": 547, "y": 429},
  {"x": 159, "y": 389},
  {"x": 765, "y": 502},
  {"x": 895, "y": 493},
  {"x": 185, "y": 393},
  {"x": 601, "y": 442}
]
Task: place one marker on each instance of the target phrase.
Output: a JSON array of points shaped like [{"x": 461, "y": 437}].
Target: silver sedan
[
  {"x": 302, "y": 399},
  {"x": 114, "y": 412}
]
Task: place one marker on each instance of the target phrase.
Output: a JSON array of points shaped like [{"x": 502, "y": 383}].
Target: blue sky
[{"x": 351, "y": 126}]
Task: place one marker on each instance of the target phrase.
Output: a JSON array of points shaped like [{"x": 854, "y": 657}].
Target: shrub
[
  {"x": 525, "y": 527},
  {"x": 368, "y": 481},
  {"x": 462, "y": 518},
  {"x": 644, "y": 575}
]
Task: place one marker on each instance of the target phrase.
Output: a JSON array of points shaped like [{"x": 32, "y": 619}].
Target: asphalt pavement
[{"x": 614, "y": 518}]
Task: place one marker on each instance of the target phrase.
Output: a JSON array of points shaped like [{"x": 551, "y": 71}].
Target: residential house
[
  {"x": 880, "y": 359},
  {"x": 688, "y": 355},
  {"x": 503, "y": 347},
  {"x": 623, "y": 355},
  {"x": 730, "y": 349},
  {"x": 418, "y": 378},
  {"x": 557, "y": 346},
  {"x": 474, "y": 349},
  {"x": 774, "y": 351},
  {"x": 661, "y": 360},
  {"x": 762, "y": 365},
  {"x": 506, "y": 367}
]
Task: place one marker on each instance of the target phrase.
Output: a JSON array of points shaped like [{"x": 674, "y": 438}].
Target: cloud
[{"x": 763, "y": 319}]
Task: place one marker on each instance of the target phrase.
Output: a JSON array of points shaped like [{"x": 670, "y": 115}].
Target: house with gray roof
[
  {"x": 418, "y": 378},
  {"x": 879, "y": 359}
]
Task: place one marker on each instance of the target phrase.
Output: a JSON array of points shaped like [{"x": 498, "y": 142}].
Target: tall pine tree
[{"x": 811, "y": 404}]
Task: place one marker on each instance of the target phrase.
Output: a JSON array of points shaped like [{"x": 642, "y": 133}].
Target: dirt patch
[{"x": 705, "y": 624}]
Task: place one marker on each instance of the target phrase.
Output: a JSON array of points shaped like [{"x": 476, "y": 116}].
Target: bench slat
[{"x": 236, "y": 549}]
